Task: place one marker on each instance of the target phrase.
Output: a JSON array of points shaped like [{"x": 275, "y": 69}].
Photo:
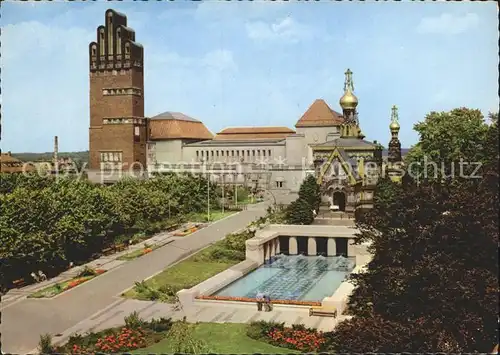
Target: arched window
[
  {"x": 110, "y": 34},
  {"x": 101, "y": 42},
  {"x": 118, "y": 41}
]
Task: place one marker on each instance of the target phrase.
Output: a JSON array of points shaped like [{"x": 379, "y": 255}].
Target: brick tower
[{"x": 117, "y": 137}]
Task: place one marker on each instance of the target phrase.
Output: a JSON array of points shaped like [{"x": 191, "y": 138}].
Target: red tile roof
[
  {"x": 9, "y": 164},
  {"x": 174, "y": 125},
  {"x": 319, "y": 114},
  {"x": 253, "y": 133}
]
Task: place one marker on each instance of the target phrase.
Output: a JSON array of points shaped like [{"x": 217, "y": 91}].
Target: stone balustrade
[{"x": 266, "y": 243}]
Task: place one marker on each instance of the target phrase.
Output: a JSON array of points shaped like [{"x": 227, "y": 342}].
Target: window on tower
[{"x": 137, "y": 134}]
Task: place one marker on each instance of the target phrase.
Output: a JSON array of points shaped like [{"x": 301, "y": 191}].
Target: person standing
[
  {"x": 267, "y": 300},
  {"x": 260, "y": 300}
]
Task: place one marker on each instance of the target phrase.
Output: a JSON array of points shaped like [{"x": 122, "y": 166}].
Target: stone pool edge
[
  {"x": 217, "y": 282},
  {"x": 255, "y": 255}
]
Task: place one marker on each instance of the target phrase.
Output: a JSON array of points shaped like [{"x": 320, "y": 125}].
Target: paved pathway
[
  {"x": 105, "y": 262},
  {"x": 201, "y": 311},
  {"x": 24, "y": 320}
]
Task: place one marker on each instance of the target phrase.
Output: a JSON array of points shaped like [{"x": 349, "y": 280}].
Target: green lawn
[
  {"x": 248, "y": 201},
  {"x": 214, "y": 216},
  {"x": 221, "y": 338},
  {"x": 187, "y": 273},
  {"x": 136, "y": 253},
  {"x": 54, "y": 290}
]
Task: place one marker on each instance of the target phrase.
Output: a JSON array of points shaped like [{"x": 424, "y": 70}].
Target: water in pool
[{"x": 297, "y": 277}]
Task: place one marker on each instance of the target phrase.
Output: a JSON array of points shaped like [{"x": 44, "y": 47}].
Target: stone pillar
[
  {"x": 351, "y": 249},
  {"x": 272, "y": 248},
  {"x": 254, "y": 251},
  {"x": 292, "y": 246},
  {"x": 331, "y": 247},
  {"x": 311, "y": 246},
  {"x": 266, "y": 252}
]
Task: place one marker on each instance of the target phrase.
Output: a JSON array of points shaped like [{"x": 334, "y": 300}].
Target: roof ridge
[{"x": 319, "y": 113}]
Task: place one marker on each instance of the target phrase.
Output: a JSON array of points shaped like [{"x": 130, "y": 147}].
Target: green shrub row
[
  {"x": 47, "y": 223},
  {"x": 300, "y": 211}
]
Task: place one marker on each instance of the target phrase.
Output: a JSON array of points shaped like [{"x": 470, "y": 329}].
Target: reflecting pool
[{"x": 296, "y": 277}]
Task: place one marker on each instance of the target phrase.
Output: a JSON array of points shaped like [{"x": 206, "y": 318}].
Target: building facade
[
  {"x": 123, "y": 141},
  {"x": 118, "y": 135},
  {"x": 12, "y": 165}
]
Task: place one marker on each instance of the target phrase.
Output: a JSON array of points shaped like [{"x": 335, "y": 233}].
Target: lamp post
[
  {"x": 208, "y": 196},
  {"x": 236, "y": 194},
  {"x": 203, "y": 162},
  {"x": 272, "y": 195},
  {"x": 223, "y": 199}
]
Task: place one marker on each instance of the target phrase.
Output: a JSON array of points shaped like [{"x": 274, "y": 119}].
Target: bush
[
  {"x": 87, "y": 271},
  {"x": 136, "y": 334},
  {"x": 305, "y": 340},
  {"x": 45, "y": 223},
  {"x": 220, "y": 253},
  {"x": 258, "y": 330},
  {"x": 160, "y": 325},
  {"x": 236, "y": 241},
  {"x": 386, "y": 336},
  {"x": 148, "y": 292},
  {"x": 299, "y": 212},
  {"x": 182, "y": 340},
  {"x": 45, "y": 344},
  {"x": 133, "y": 321},
  {"x": 310, "y": 191},
  {"x": 297, "y": 337}
]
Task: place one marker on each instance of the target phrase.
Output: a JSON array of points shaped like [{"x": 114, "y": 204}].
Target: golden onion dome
[
  {"x": 348, "y": 100},
  {"x": 394, "y": 126}
]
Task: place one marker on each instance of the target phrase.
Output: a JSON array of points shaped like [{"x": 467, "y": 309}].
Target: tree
[
  {"x": 381, "y": 335},
  {"x": 183, "y": 341},
  {"x": 432, "y": 283},
  {"x": 299, "y": 212},
  {"x": 489, "y": 152},
  {"x": 445, "y": 138},
  {"x": 310, "y": 191},
  {"x": 47, "y": 222},
  {"x": 434, "y": 267}
]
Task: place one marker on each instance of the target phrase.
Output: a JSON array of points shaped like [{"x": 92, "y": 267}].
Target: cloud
[
  {"x": 286, "y": 30},
  {"x": 223, "y": 11},
  {"x": 220, "y": 60},
  {"x": 448, "y": 24},
  {"x": 44, "y": 91},
  {"x": 45, "y": 82}
]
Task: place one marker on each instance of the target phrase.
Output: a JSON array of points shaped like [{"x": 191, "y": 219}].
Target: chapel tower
[
  {"x": 117, "y": 137},
  {"x": 349, "y": 103},
  {"x": 395, "y": 164},
  {"x": 394, "y": 144}
]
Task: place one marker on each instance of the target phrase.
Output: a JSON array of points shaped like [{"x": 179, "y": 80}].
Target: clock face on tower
[{"x": 315, "y": 137}]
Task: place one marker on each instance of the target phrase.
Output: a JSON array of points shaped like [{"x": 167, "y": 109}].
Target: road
[{"x": 24, "y": 321}]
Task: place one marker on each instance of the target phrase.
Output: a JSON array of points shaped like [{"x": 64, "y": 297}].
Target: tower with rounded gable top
[{"x": 118, "y": 134}]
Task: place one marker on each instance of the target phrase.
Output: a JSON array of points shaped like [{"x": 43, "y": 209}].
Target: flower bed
[
  {"x": 138, "y": 253},
  {"x": 297, "y": 337},
  {"x": 247, "y": 299},
  {"x": 58, "y": 288},
  {"x": 127, "y": 338},
  {"x": 187, "y": 231},
  {"x": 305, "y": 340}
]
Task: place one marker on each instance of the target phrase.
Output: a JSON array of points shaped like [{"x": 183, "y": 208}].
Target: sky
[{"x": 250, "y": 63}]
